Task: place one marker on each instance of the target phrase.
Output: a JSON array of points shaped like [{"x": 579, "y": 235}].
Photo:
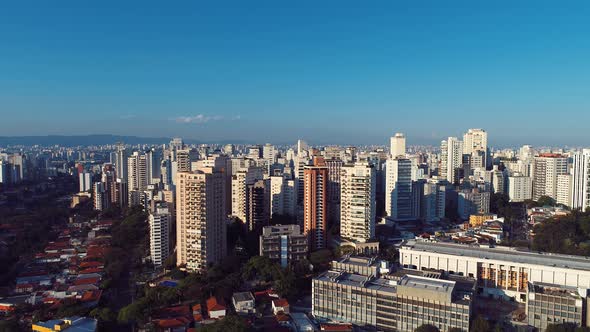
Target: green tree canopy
[{"x": 427, "y": 328}]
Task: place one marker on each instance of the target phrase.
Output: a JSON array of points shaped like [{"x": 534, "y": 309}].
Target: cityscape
[
  {"x": 177, "y": 236},
  {"x": 297, "y": 167}
]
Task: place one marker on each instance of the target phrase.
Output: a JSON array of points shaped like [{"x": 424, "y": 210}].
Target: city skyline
[{"x": 333, "y": 74}]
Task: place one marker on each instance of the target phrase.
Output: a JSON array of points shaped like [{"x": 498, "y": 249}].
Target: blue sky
[{"x": 273, "y": 71}]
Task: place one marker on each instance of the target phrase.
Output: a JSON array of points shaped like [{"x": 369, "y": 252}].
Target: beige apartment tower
[{"x": 200, "y": 218}]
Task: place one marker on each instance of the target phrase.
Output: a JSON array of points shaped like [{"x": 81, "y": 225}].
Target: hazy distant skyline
[{"x": 326, "y": 72}]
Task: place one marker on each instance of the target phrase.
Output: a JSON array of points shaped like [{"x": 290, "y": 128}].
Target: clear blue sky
[{"x": 329, "y": 72}]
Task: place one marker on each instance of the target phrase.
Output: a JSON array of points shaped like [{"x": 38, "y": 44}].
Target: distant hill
[{"x": 80, "y": 140}]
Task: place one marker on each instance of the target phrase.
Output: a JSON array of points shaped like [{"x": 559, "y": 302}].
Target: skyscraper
[
  {"x": 581, "y": 180},
  {"x": 397, "y": 145},
  {"x": 315, "y": 185},
  {"x": 200, "y": 218},
  {"x": 398, "y": 189},
  {"x": 358, "y": 210}
]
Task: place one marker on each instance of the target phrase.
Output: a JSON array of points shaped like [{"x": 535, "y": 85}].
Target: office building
[
  {"x": 315, "y": 186},
  {"x": 284, "y": 244},
  {"x": 200, "y": 218},
  {"x": 398, "y": 189},
  {"x": 554, "y": 304},
  {"x": 547, "y": 167},
  {"x": 159, "y": 223},
  {"x": 358, "y": 210},
  {"x": 500, "y": 272},
  {"x": 356, "y": 291}
]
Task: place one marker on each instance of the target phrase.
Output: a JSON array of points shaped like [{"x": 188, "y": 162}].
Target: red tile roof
[
  {"x": 86, "y": 281},
  {"x": 214, "y": 304},
  {"x": 280, "y": 303}
]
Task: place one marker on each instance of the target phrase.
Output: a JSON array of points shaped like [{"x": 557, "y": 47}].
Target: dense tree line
[{"x": 564, "y": 234}]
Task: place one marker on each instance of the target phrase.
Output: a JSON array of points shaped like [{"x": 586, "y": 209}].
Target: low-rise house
[
  {"x": 244, "y": 303},
  {"x": 280, "y": 305},
  {"x": 215, "y": 308}
]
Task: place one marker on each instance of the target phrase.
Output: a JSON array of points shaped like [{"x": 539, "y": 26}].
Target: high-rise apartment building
[
  {"x": 581, "y": 180},
  {"x": 547, "y": 168},
  {"x": 520, "y": 188},
  {"x": 121, "y": 162},
  {"x": 258, "y": 204},
  {"x": 137, "y": 177},
  {"x": 315, "y": 187},
  {"x": 451, "y": 159},
  {"x": 200, "y": 218},
  {"x": 475, "y": 143},
  {"x": 564, "y": 190},
  {"x": 473, "y": 201},
  {"x": 397, "y": 145},
  {"x": 498, "y": 181},
  {"x": 398, "y": 189},
  {"x": 159, "y": 223},
  {"x": 283, "y": 244},
  {"x": 85, "y": 180},
  {"x": 358, "y": 210},
  {"x": 334, "y": 183},
  {"x": 239, "y": 184},
  {"x": 432, "y": 207}
]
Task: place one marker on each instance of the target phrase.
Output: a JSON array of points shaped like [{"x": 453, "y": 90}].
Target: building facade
[
  {"x": 315, "y": 205},
  {"x": 200, "y": 218},
  {"x": 284, "y": 244},
  {"x": 358, "y": 210}
]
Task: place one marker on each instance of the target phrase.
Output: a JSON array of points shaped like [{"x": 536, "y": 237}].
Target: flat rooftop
[
  {"x": 437, "y": 285},
  {"x": 359, "y": 261},
  {"x": 507, "y": 254}
]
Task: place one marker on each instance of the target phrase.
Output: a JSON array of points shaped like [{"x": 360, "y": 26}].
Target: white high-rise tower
[{"x": 398, "y": 145}]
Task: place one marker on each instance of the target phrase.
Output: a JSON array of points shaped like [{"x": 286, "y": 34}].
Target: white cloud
[
  {"x": 199, "y": 118},
  {"x": 202, "y": 118}
]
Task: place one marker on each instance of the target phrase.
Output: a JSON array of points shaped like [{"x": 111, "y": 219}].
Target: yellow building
[
  {"x": 70, "y": 324},
  {"x": 476, "y": 220}
]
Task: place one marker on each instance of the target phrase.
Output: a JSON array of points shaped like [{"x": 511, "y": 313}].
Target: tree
[
  {"x": 9, "y": 325},
  {"x": 480, "y": 324},
  {"x": 103, "y": 314},
  {"x": 427, "y": 328},
  {"x": 229, "y": 323},
  {"x": 546, "y": 201},
  {"x": 343, "y": 250}
]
